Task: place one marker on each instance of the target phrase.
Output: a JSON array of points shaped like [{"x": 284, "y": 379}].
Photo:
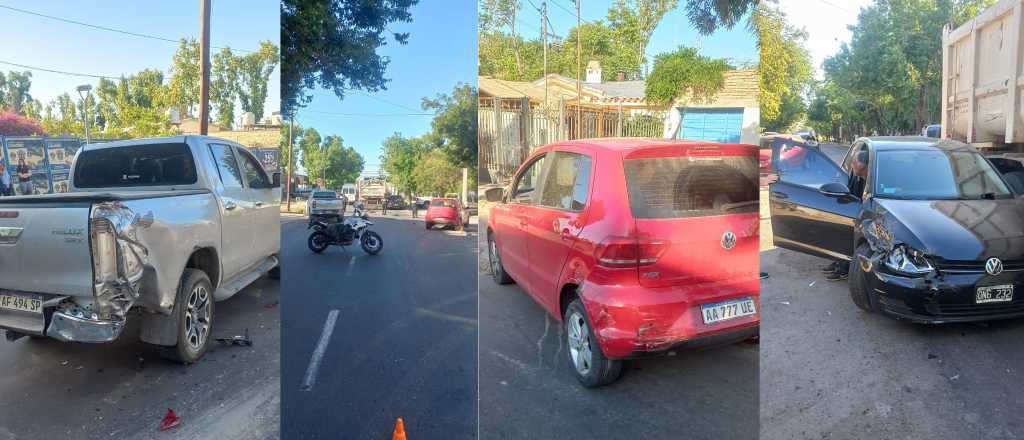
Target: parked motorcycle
[{"x": 344, "y": 233}]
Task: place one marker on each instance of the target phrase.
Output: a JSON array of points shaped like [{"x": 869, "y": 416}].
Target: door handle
[
  {"x": 779, "y": 195},
  {"x": 258, "y": 204},
  {"x": 229, "y": 205},
  {"x": 565, "y": 235}
]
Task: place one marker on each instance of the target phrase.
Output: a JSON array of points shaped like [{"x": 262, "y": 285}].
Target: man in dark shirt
[
  {"x": 24, "y": 176},
  {"x": 840, "y": 270}
]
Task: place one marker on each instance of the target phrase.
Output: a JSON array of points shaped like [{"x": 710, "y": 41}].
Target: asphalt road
[
  {"x": 527, "y": 389},
  {"x": 122, "y": 390},
  {"x": 831, "y": 371},
  {"x": 403, "y": 342}
]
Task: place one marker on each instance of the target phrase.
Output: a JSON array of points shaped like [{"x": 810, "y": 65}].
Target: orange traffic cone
[{"x": 399, "y": 430}]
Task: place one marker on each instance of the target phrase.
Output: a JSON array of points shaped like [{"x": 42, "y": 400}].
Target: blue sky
[
  {"x": 42, "y": 42},
  {"x": 441, "y": 53}
]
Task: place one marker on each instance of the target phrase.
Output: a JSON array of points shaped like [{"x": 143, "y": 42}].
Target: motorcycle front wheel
[
  {"x": 371, "y": 242},
  {"x": 318, "y": 241}
]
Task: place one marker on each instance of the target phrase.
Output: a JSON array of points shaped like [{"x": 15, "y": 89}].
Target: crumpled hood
[{"x": 968, "y": 230}]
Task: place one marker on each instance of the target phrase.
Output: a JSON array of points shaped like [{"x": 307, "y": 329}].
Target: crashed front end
[
  {"x": 909, "y": 283},
  {"x": 119, "y": 260}
]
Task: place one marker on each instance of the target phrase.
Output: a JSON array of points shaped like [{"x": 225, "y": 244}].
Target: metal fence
[
  {"x": 509, "y": 129},
  {"x": 49, "y": 160}
]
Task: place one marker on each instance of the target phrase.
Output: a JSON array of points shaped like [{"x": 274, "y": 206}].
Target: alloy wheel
[
  {"x": 579, "y": 343},
  {"x": 197, "y": 317}
]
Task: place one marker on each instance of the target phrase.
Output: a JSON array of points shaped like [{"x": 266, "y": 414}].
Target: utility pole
[
  {"x": 291, "y": 166},
  {"x": 204, "y": 67},
  {"x": 579, "y": 62},
  {"x": 544, "y": 17}
]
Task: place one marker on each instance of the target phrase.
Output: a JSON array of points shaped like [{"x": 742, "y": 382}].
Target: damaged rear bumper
[
  {"x": 634, "y": 321},
  {"x": 64, "y": 322}
]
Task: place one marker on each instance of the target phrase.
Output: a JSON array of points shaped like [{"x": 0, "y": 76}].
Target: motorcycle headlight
[{"x": 904, "y": 260}]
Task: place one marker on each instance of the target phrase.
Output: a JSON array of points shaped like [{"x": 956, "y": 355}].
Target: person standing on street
[
  {"x": 24, "y": 176},
  {"x": 415, "y": 208},
  {"x": 6, "y": 187}
]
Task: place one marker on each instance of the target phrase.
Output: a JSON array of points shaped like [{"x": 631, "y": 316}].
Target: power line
[
  {"x": 385, "y": 101},
  {"x": 570, "y": 12},
  {"x": 837, "y": 6},
  {"x": 62, "y": 72},
  {"x": 103, "y": 28},
  {"x": 366, "y": 114}
]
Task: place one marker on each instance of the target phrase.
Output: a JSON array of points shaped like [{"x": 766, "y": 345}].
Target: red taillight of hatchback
[{"x": 625, "y": 252}]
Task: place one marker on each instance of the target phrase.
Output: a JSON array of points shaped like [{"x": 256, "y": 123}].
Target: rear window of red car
[
  {"x": 447, "y": 203},
  {"x": 684, "y": 186}
]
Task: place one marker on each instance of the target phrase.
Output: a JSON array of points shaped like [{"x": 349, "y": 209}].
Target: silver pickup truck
[{"x": 157, "y": 229}]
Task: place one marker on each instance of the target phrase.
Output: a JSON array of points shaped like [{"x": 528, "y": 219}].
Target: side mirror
[
  {"x": 834, "y": 189},
  {"x": 275, "y": 180},
  {"x": 495, "y": 194}
]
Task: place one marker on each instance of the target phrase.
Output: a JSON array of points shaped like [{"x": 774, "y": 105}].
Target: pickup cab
[
  {"x": 151, "y": 229},
  {"x": 325, "y": 203}
]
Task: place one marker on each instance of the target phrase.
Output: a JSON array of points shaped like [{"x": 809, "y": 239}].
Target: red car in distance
[
  {"x": 638, "y": 246},
  {"x": 447, "y": 212}
]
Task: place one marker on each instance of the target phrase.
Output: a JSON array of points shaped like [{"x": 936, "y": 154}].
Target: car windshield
[
  {"x": 448, "y": 203},
  {"x": 937, "y": 175},
  {"x": 325, "y": 195}
]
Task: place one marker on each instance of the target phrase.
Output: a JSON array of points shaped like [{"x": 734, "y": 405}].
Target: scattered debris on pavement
[
  {"x": 170, "y": 420},
  {"x": 240, "y": 340}
]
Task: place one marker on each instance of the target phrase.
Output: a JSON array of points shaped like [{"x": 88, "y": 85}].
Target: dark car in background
[{"x": 936, "y": 235}]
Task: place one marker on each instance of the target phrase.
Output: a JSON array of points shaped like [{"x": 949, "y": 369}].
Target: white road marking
[
  {"x": 318, "y": 354},
  {"x": 351, "y": 266}
]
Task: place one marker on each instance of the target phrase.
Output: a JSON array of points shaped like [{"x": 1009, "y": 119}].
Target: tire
[
  {"x": 318, "y": 242},
  {"x": 429, "y": 225},
  {"x": 597, "y": 370},
  {"x": 859, "y": 292},
  {"x": 498, "y": 273},
  {"x": 371, "y": 242},
  {"x": 194, "y": 314}
]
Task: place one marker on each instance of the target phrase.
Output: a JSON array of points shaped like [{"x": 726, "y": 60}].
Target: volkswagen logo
[
  {"x": 994, "y": 266},
  {"x": 729, "y": 240}
]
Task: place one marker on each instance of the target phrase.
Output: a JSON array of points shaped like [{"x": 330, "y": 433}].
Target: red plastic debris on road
[{"x": 170, "y": 420}]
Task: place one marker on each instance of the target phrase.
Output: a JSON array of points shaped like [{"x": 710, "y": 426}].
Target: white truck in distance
[{"x": 152, "y": 229}]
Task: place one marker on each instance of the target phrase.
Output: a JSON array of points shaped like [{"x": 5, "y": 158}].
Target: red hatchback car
[
  {"x": 446, "y": 212},
  {"x": 639, "y": 246}
]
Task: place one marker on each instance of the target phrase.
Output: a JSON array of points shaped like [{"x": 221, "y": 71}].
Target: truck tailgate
[{"x": 44, "y": 248}]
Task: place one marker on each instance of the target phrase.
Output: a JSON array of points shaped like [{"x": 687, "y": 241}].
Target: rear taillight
[
  {"x": 314, "y": 204},
  {"x": 622, "y": 252},
  {"x": 104, "y": 250}
]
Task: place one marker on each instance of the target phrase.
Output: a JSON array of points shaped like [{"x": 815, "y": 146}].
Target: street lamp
[{"x": 84, "y": 91}]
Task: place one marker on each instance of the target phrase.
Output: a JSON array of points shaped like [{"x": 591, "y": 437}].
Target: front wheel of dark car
[
  {"x": 859, "y": 291},
  {"x": 494, "y": 259},
  {"x": 193, "y": 313},
  {"x": 586, "y": 359}
]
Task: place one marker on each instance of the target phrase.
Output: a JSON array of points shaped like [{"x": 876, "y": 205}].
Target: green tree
[
  {"x": 310, "y": 154},
  {"x": 254, "y": 71},
  {"x": 687, "y": 74},
  {"x": 786, "y": 72},
  {"x": 400, "y": 158},
  {"x": 224, "y": 85},
  {"x": 455, "y": 124},
  {"x": 710, "y": 15},
  {"x": 634, "y": 21},
  {"x": 16, "y": 91},
  {"x": 498, "y": 14},
  {"x": 184, "y": 84},
  {"x": 435, "y": 174},
  {"x": 333, "y": 44}
]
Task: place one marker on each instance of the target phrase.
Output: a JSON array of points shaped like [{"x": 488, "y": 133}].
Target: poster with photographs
[
  {"x": 270, "y": 157},
  {"x": 62, "y": 153},
  {"x": 40, "y": 183},
  {"x": 25, "y": 152},
  {"x": 60, "y": 182}
]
